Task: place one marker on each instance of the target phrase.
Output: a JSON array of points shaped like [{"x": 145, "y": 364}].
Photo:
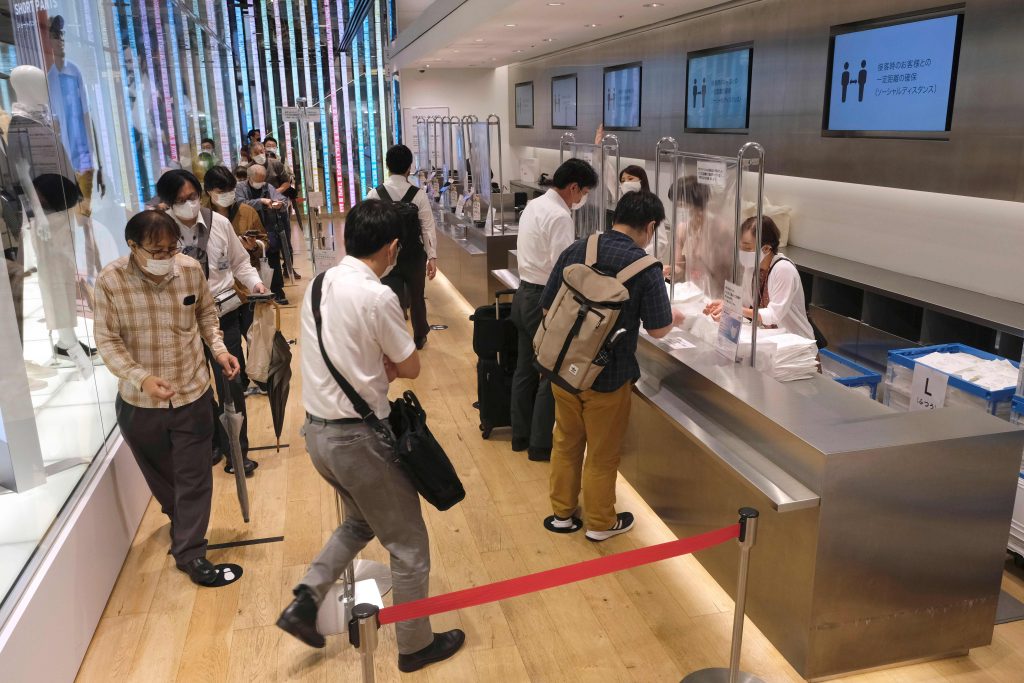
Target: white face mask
[
  {"x": 186, "y": 211},
  {"x": 223, "y": 199},
  {"x": 158, "y": 268},
  {"x": 257, "y": 186},
  {"x": 747, "y": 259},
  {"x": 208, "y": 150},
  {"x": 260, "y": 159},
  {"x": 629, "y": 186},
  {"x": 580, "y": 204},
  {"x": 391, "y": 266},
  {"x": 272, "y": 151},
  {"x": 245, "y": 164}
]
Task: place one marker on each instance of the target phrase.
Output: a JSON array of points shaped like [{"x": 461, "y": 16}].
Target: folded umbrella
[
  {"x": 232, "y": 419},
  {"x": 279, "y": 379}
]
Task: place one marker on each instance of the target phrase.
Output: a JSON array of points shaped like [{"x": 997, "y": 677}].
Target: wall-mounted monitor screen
[
  {"x": 563, "y": 101},
  {"x": 718, "y": 90},
  {"x": 622, "y": 94},
  {"x": 524, "y": 105},
  {"x": 893, "y": 78}
]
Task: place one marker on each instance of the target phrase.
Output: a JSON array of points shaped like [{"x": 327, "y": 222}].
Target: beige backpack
[{"x": 574, "y": 340}]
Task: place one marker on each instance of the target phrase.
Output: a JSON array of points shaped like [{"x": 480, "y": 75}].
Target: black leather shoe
[
  {"x": 420, "y": 342},
  {"x": 299, "y": 618},
  {"x": 217, "y": 457},
  {"x": 444, "y": 646},
  {"x": 63, "y": 353},
  {"x": 200, "y": 570},
  {"x": 249, "y": 465},
  {"x": 520, "y": 445}
]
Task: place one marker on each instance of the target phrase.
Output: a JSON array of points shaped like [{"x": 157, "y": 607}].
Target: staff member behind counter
[{"x": 782, "y": 302}]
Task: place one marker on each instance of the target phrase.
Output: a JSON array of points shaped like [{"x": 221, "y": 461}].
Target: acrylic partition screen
[
  {"x": 563, "y": 101},
  {"x": 718, "y": 90},
  {"x": 698, "y": 248},
  {"x": 480, "y": 171},
  {"x": 895, "y": 78}
]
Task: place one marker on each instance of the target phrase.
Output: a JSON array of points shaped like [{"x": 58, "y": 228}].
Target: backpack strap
[
  {"x": 636, "y": 267},
  {"x": 410, "y": 194},
  {"x": 204, "y": 239},
  {"x": 591, "y": 259},
  {"x": 360, "y": 404},
  {"x": 383, "y": 195}
]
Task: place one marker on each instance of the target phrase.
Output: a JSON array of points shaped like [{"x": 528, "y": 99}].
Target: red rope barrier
[{"x": 531, "y": 583}]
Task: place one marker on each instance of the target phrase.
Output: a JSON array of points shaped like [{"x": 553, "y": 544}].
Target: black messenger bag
[{"x": 406, "y": 431}]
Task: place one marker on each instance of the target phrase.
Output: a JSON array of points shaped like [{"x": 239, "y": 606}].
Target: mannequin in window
[{"x": 49, "y": 192}]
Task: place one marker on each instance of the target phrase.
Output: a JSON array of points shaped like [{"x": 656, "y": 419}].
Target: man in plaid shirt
[
  {"x": 594, "y": 421},
  {"x": 153, "y": 312}
]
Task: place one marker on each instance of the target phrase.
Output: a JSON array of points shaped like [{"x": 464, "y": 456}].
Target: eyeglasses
[{"x": 161, "y": 254}]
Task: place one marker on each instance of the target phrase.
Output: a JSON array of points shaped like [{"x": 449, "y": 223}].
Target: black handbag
[{"x": 406, "y": 431}]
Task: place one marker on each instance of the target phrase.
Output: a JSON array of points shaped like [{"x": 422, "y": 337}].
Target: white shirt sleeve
[
  {"x": 427, "y": 226},
  {"x": 562, "y": 233},
  {"x": 389, "y": 326},
  {"x": 782, "y": 292}
]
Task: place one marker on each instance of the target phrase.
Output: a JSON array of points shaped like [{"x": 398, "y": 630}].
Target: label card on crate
[{"x": 928, "y": 388}]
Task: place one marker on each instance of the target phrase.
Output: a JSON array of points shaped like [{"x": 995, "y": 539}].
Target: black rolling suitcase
[{"x": 495, "y": 342}]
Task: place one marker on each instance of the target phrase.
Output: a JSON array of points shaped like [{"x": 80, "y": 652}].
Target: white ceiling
[
  {"x": 477, "y": 33},
  {"x": 408, "y": 10}
]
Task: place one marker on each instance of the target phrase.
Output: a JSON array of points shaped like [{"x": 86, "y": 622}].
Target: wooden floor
[{"x": 655, "y": 623}]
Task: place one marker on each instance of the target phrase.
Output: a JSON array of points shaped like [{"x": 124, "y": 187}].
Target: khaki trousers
[{"x": 593, "y": 423}]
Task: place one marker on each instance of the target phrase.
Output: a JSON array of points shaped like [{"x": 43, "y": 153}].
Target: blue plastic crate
[
  {"x": 998, "y": 401},
  {"x": 1017, "y": 410},
  {"x": 858, "y": 375}
]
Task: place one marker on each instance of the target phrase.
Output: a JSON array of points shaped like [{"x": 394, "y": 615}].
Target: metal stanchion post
[
  {"x": 363, "y": 636},
  {"x": 748, "y": 534}
]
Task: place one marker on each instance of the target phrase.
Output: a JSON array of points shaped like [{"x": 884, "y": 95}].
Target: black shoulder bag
[{"x": 406, "y": 431}]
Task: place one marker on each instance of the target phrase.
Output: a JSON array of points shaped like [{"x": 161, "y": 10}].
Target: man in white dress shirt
[
  {"x": 364, "y": 335},
  {"x": 416, "y": 261},
  {"x": 209, "y": 238},
  {"x": 545, "y": 230}
]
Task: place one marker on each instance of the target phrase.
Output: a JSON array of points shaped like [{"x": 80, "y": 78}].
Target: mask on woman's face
[
  {"x": 260, "y": 159},
  {"x": 747, "y": 259},
  {"x": 223, "y": 199},
  {"x": 629, "y": 186},
  {"x": 186, "y": 211}
]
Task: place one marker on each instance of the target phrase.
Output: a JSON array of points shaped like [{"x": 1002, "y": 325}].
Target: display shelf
[{"x": 868, "y": 311}]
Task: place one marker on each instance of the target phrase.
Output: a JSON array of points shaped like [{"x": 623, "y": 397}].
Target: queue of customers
[{"x": 159, "y": 330}]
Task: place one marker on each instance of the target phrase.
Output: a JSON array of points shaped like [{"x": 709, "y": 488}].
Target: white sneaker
[
  {"x": 623, "y": 523},
  {"x": 560, "y": 523}
]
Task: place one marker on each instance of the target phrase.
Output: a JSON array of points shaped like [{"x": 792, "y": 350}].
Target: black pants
[
  {"x": 231, "y": 327},
  {"x": 533, "y": 404},
  {"x": 277, "y": 280},
  {"x": 172, "y": 448},
  {"x": 408, "y": 280}
]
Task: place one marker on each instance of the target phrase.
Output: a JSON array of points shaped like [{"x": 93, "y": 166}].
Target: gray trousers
[
  {"x": 533, "y": 405},
  {"x": 172, "y": 447},
  {"x": 379, "y": 499}
]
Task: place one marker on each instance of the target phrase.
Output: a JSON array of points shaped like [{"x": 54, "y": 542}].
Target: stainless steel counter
[
  {"x": 883, "y": 533},
  {"x": 467, "y": 255}
]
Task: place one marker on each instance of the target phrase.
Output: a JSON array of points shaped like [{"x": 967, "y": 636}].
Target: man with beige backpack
[{"x": 600, "y": 291}]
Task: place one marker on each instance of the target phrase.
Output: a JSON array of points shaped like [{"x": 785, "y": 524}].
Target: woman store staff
[{"x": 782, "y": 302}]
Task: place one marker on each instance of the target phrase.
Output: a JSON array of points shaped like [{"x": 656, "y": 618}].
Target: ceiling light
[
  {"x": 590, "y": 26},
  {"x": 454, "y": 50},
  {"x": 548, "y": 40},
  {"x": 555, "y": 4},
  {"x": 653, "y": 4},
  {"x": 510, "y": 25},
  {"x": 427, "y": 66},
  {"x": 516, "y": 51},
  {"x": 479, "y": 40}
]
